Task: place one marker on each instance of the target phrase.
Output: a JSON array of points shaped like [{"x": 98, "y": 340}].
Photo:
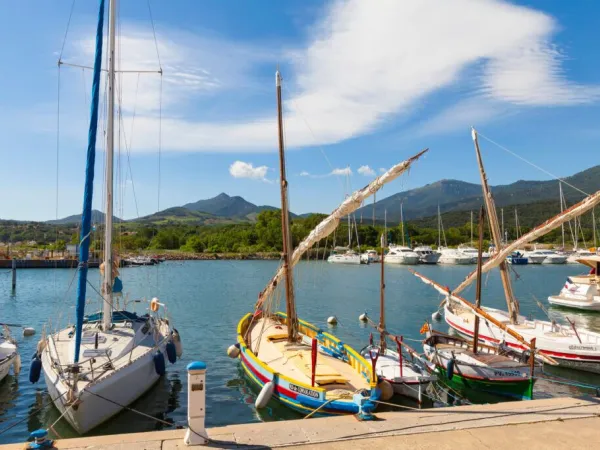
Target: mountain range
[{"x": 423, "y": 202}]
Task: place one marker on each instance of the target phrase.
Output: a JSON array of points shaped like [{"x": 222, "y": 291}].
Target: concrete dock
[{"x": 567, "y": 423}]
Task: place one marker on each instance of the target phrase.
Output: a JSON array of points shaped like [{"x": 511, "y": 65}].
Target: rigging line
[
  {"x": 532, "y": 164},
  {"x": 83, "y": 66},
  {"x": 57, "y": 163},
  {"x": 62, "y": 49},
  {"x": 154, "y": 33}
]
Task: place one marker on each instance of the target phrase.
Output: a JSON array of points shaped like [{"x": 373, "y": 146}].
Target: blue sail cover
[{"x": 86, "y": 217}]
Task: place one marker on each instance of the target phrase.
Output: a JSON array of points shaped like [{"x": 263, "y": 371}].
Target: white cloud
[
  {"x": 382, "y": 170},
  {"x": 346, "y": 171},
  {"x": 304, "y": 173},
  {"x": 240, "y": 169},
  {"x": 362, "y": 65},
  {"x": 366, "y": 171}
]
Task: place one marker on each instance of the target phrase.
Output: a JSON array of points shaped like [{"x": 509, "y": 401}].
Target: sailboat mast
[
  {"x": 562, "y": 227},
  {"x": 594, "y": 227},
  {"x": 374, "y": 201},
  {"x": 292, "y": 319},
  {"x": 503, "y": 232},
  {"x": 511, "y": 302},
  {"x": 382, "y": 343},
  {"x": 478, "y": 285},
  {"x": 516, "y": 224},
  {"x": 402, "y": 223},
  {"x": 471, "y": 228},
  {"x": 439, "y": 228},
  {"x": 110, "y": 141},
  {"x": 86, "y": 215}
]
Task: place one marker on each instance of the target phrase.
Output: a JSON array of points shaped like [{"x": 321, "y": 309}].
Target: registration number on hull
[{"x": 304, "y": 391}]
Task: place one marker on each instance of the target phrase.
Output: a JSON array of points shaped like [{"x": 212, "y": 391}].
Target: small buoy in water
[
  {"x": 436, "y": 316},
  {"x": 159, "y": 363},
  {"x": 35, "y": 370},
  {"x": 177, "y": 341},
  {"x": 233, "y": 351},
  {"x": 387, "y": 390},
  {"x": 171, "y": 352},
  {"x": 363, "y": 317},
  {"x": 28, "y": 331},
  {"x": 332, "y": 320},
  {"x": 265, "y": 395}
]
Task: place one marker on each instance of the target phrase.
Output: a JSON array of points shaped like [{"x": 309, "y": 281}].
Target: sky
[{"x": 366, "y": 85}]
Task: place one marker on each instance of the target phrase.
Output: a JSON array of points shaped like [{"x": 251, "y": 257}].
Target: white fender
[
  {"x": 436, "y": 316},
  {"x": 332, "y": 320},
  {"x": 265, "y": 395},
  {"x": 17, "y": 364},
  {"x": 387, "y": 390},
  {"x": 363, "y": 317}
]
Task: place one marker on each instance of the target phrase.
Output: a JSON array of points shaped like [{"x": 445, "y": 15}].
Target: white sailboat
[
  {"x": 569, "y": 345},
  {"x": 9, "y": 355},
  {"x": 345, "y": 255},
  {"x": 108, "y": 359},
  {"x": 449, "y": 255}
]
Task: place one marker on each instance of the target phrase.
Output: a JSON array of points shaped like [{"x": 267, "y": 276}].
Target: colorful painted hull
[{"x": 296, "y": 395}]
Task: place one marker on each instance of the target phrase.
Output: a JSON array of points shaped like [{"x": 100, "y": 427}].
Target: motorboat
[
  {"x": 399, "y": 254},
  {"x": 574, "y": 257},
  {"x": 344, "y": 255},
  {"x": 370, "y": 256},
  {"x": 472, "y": 253},
  {"x": 517, "y": 258},
  {"x": 427, "y": 255},
  {"x": 453, "y": 256},
  {"x": 534, "y": 257},
  {"x": 549, "y": 257},
  {"x": 581, "y": 291}
]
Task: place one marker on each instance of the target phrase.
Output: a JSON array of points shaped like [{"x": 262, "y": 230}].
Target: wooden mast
[
  {"x": 511, "y": 302},
  {"x": 382, "y": 343},
  {"x": 292, "y": 319},
  {"x": 478, "y": 285}
]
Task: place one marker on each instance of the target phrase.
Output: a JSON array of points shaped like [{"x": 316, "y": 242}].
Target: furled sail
[
  {"x": 479, "y": 312},
  {"x": 576, "y": 210},
  {"x": 330, "y": 223}
]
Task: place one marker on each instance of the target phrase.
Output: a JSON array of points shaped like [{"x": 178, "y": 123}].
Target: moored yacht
[
  {"x": 344, "y": 255},
  {"x": 370, "y": 256},
  {"x": 581, "y": 291},
  {"x": 427, "y": 255},
  {"x": 399, "y": 254},
  {"x": 472, "y": 253},
  {"x": 453, "y": 256},
  {"x": 582, "y": 253}
]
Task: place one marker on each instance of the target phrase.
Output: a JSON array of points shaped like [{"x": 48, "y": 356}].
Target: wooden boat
[
  {"x": 468, "y": 364},
  {"x": 291, "y": 360},
  {"x": 494, "y": 370},
  {"x": 407, "y": 377},
  {"x": 569, "y": 346}
]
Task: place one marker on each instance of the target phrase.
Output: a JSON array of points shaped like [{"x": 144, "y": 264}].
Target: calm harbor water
[{"x": 206, "y": 299}]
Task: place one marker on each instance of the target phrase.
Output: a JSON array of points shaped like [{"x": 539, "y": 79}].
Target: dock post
[
  {"x": 14, "y": 274},
  {"x": 196, "y": 433}
]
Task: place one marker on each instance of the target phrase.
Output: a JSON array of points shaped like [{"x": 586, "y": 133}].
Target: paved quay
[{"x": 572, "y": 423}]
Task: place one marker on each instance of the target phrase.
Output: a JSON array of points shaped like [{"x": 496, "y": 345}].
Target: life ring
[{"x": 154, "y": 305}]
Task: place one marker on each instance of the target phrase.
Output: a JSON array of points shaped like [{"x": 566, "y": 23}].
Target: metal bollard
[{"x": 196, "y": 433}]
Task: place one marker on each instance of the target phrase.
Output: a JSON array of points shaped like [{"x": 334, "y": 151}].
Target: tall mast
[
  {"x": 86, "y": 214},
  {"x": 439, "y": 228},
  {"x": 516, "y": 224},
  {"x": 478, "y": 285},
  {"x": 511, "y": 302},
  {"x": 562, "y": 227},
  {"x": 110, "y": 140},
  {"x": 292, "y": 319},
  {"x": 402, "y": 223},
  {"x": 503, "y": 232},
  {"x": 374, "y": 201},
  {"x": 382, "y": 343},
  {"x": 594, "y": 227},
  {"x": 471, "y": 228}
]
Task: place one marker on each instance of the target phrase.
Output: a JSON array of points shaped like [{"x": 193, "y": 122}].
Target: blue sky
[{"x": 366, "y": 84}]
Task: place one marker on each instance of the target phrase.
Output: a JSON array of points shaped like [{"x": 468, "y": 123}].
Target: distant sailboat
[{"x": 109, "y": 359}]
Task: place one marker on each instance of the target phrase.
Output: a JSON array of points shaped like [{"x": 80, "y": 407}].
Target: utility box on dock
[{"x": 196, "y": 432}]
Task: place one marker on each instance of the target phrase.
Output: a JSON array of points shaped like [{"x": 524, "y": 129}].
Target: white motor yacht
[
  {"x": 370, "y": 256},
  {"x": 552, "y": 257},
  {"x": 581, "y": 291},
  {"x": 453, "y": 256},
  {"x": 344, "y": 255},
  {"x": 399, "y": 254},
  {"x": 427, "y": 255},
  {"x": 472, "y": 253}
]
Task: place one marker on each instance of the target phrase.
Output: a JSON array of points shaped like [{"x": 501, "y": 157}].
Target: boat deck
[
  {"x": 481, "y": 358},
  {"x": 268, "y": 340}
]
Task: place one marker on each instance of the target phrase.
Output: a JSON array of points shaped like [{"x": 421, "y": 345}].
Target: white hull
[
  {"x": 555, "y": 259},
  {"x": 535, "y": 259},
  {"x": 133, "y": 372},
  {"x": 454, "y": 260},
  {"x": 401, "y": 259},
  {"x": 344, "y": 259},
  {"x": 431, "y": 258},
  {"x": 558, "y": 341},
  {"x": 585, "y": 305},
  {"x": 6, "y": 364},
  {"x": 412, "y": 383}
]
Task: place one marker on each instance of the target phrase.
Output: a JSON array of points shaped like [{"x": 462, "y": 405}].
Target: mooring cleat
[
  {"x": 365, "y": 407},
  {"x": 40, "y": 440}
]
